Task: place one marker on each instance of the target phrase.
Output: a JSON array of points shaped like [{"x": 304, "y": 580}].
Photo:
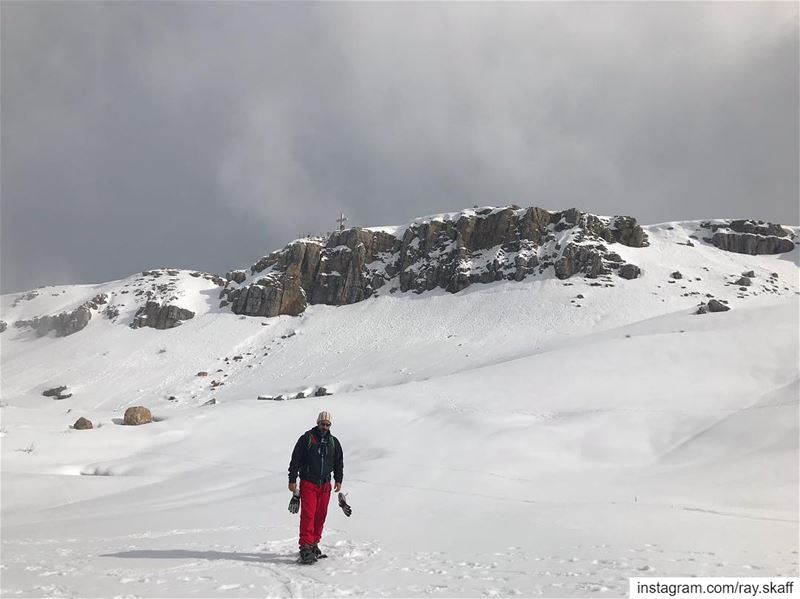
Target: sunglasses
[{"x": 325, "y": 424}]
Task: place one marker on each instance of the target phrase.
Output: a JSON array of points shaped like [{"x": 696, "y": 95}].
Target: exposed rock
[
  {"x": 300, "y": 395},
  {"x": 158, "y": 316},
  {"x": 65, "y": 323},
  {"x": 202, "y": 373},
  {"x": 751, "y": 244},
  {"x": 25, "y": 297},
  {"x": 55, "y": 391},
  {"x": 717, "y": 306},
  {"x": 82, "y": 424},
  {"x": 758, "y": 227},
  {"x": 137, "y": 415},
  {"x": 211, "y": 402},
  {"x": 97, "y": 301},
  {"x": 482, "y": 246},
  {"x": 627, "y": 232},
  {"x": 712, "y": 306},
  {"x": 575, "y": 259},
  {"x": 237, "y": 276},
  {"x": 749, "y": 274},
  {"x": 744, "y": 282},
  {"x": 750, "y": 237},
  {"x": 111, "y": 312},
  {"x": 676, "y": 275},
  {"x": 3, "y": 326},
  {"x": 629, "y": 271},
  {"x": 321, "y": 392}
]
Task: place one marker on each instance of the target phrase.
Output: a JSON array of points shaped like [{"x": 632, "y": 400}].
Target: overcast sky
[{"x": 205, "y": 135}]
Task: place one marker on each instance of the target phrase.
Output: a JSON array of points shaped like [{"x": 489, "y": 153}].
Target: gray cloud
[{"x": 203, "y": 135}]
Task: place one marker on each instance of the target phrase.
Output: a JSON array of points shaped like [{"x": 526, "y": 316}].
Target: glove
[
  {"x": 343, "y": 504},
  {"x": 294, "y": 503}
]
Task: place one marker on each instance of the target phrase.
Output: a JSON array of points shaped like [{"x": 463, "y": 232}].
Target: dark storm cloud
[{"x": 203, "y": 135}]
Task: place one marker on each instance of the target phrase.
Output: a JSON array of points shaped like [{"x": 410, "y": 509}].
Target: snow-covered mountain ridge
[
  {"x": 547, "y": 436},
  {"x": 448, "y": 251}
]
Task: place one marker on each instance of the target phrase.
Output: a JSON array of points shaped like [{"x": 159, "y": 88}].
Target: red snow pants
[{"x": 313, "y": 509}]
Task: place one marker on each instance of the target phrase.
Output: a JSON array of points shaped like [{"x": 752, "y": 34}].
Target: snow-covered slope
[{"x": 538, "y": 437}]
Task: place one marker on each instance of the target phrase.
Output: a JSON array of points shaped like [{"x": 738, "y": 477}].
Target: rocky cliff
[{"x": 449, "y": 252}]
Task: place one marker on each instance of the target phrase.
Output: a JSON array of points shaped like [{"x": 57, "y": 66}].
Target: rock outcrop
[
  {"x": 3, "y": 326},
  {"x": 749, "y": 237},
  {"x": 57, "y": 392},
  {"x": 82, "y": 424},
  {"x": 237, "y": 276},
  {"x": 452, "y": 253},
  {"x": 65, "y": 323},
  {"x": 160, "y": 316},
  {"x": 712, "y": 306}
]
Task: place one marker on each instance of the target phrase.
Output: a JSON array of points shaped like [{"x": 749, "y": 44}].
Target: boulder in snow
[
  {"x": 629, "y": 271},
  {"x": 82, "y": 424},
  {"x": 717, "y": 306},
  {"x": 137, "y": 415}
]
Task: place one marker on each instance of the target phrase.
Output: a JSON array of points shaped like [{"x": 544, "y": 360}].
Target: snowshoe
[{"x": 318, "y": 552}]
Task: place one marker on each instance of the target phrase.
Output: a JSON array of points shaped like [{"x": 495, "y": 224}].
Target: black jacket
[{"x": 315, "y": 457}]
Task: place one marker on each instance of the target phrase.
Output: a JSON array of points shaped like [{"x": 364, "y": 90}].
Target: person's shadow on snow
[{"x": 272, "y": 558}]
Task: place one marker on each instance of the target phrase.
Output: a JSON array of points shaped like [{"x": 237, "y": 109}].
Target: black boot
[
  {"x": 318, "y": 552},
  {"x": 307, "y": 555}
]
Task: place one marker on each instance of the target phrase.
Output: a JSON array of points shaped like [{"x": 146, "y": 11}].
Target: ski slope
[{"x": 509, "y": 440}]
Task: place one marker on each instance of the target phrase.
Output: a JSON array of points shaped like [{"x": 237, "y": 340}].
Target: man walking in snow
[{"x": 316, "y": 455}]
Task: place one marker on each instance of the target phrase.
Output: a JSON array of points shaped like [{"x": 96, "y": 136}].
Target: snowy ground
[{"x": 501, "y": 441}]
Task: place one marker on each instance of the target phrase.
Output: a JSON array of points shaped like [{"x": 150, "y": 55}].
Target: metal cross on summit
[{"x": 341, "y": 220}]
